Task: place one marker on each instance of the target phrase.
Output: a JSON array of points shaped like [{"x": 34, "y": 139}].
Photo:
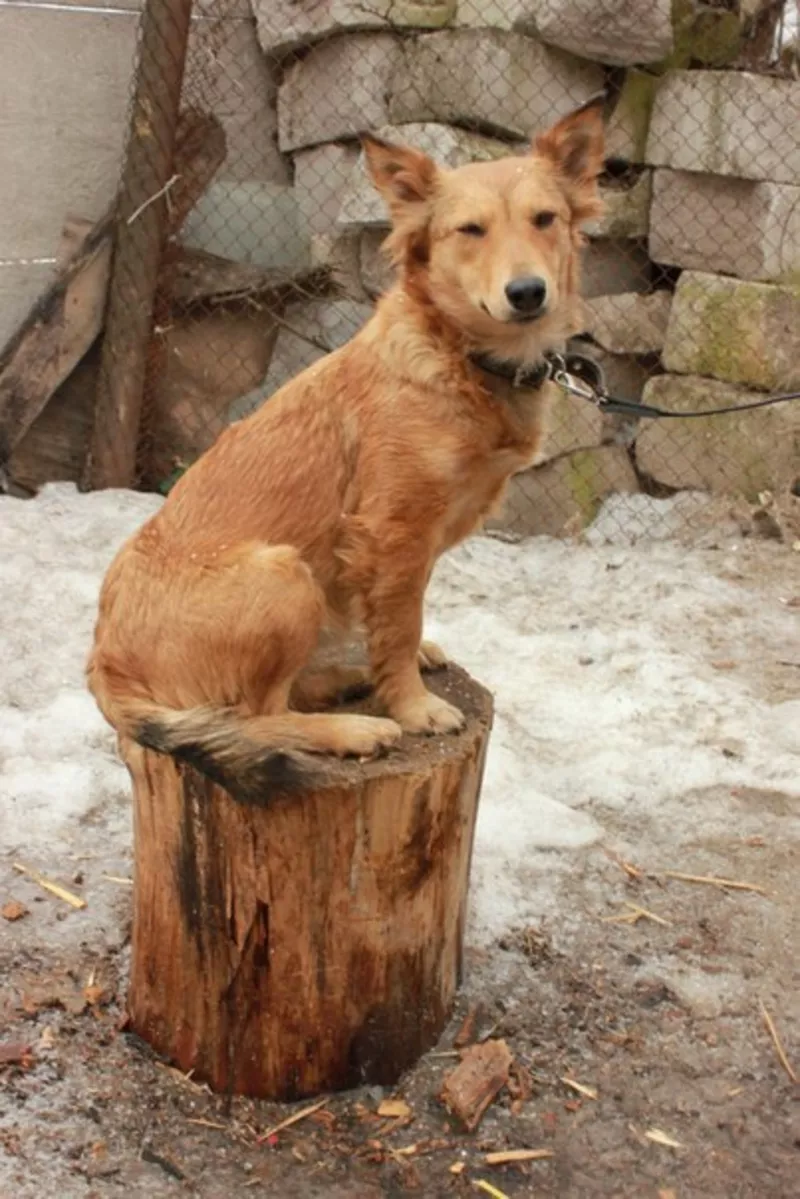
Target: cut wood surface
[{"x": 311, "y": 943}]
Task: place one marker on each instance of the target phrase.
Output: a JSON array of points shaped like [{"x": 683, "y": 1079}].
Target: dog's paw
[
  {"x": 364, "y": 736},
  {"x": 431, "y": 656},
  {"x": 429, "y": 714}
]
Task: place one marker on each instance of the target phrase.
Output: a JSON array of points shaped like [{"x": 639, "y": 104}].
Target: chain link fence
[{"x": 249, "y": 238}]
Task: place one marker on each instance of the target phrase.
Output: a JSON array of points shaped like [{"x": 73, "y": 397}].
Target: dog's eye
[
  {"x": 543, "y": 220},
  {"x": 472, "y": 229}
]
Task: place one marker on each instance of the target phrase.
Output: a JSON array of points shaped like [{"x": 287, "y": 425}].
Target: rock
[
  {"x": 339, "y": 89},
  {"x": 491, "y": 80},
  {"x": 329, "y": 322},
  {"x": 490, "y": 14},
  {"x": 320, "y": 177},
  {"x": 627, "y": 210},
  {"x": 629, "y": 323},
  {"x": 243, "y": 96},
  {"x": 610, "y": 267},
  {"x": 249, "y": 222},
  {"x": 361, "y": 205},
  {"x": 727, "y": 123},
  {"x": 626, "y": 132},
  {"x": 338, "y": 253},
  {"x": 706, "y": 34},
  {"x": 572, "y": 424},
  {"x": 745, "y": 452},
  {"x": 286, "y": 25},
  {"x": 620, "y": 34},
  {"x": 566, "y": 494},
  {"x": 734, "y": 226},
  {"x": 736, "y": 331},
  {"x": 377, "y": 274}
]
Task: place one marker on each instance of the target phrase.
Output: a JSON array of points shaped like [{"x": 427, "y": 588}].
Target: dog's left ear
[
  {"x": 405, "y": 177},
  {"x": 575, "y": 146}
]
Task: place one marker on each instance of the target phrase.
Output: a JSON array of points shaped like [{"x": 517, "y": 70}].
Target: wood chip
[
  {"x": 479, "y": 1077},
  {"x": 661, "y": 1138},
  {"x": 16, "y": 1053},
  {"x": 589, "y": 1092},
  {"x": 730, "y": 884},
  {"x": 394, "y": 1109},
  {"x": 466, "y": 1033},
  {"x": 457, "y": 1168},
  {"x": 293, "y": 1119},
  {"x": 54, "y": 888},
  {"x": 776, "y": 1041},
  {"x": 13, "y": 910},
  {"x": 118, "y": 878},
  {"x": 488, "y": 1189},
  {"x": 502, "y": 1158}
]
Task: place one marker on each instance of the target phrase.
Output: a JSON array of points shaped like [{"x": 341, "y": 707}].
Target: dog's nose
[{"x": 527, "y": 294}]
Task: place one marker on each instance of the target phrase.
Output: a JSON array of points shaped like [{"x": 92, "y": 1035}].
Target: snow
[{"x": 630, "y": 685}]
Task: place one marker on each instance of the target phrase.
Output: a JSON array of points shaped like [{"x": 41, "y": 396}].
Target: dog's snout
[{"x": 527, "y": 295}]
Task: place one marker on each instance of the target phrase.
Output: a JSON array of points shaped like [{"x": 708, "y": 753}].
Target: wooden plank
[{"x": 54, "y": 337}]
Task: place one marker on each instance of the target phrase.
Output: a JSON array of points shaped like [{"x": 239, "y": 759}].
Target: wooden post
[
  {"x": 312, "y": 943},
  {"x": 139, "y": 240}
]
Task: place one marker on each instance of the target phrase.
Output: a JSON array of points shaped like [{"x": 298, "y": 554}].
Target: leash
[{"x": 582, "y": 376}]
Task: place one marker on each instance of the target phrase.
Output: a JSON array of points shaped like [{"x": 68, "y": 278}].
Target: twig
[
  {"x": 206, "y": 1123},
  {"x": 162, "y": 191},
  {"x": 293, "y": 1119},
  {"x": 635, "y": 914},
  {"x": 504, "y": 1157},
  {"x": 589, "y": 1092},
  {"x": 776, "y": 1041},
  {"x": 632, "y": 871},
  {"x": 117, "y": 878},
  {"x": 488, "y": 1189},
  {"x": 661, "y": 1138},
  {"x": 712, "y": 881},
  {"x": 54, "y": 888}
]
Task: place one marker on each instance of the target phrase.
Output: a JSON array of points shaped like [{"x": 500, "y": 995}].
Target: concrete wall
[{"x": 64, "y": 85}]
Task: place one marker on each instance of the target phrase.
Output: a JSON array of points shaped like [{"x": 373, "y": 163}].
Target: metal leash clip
[{"x": 580, "y": 376}]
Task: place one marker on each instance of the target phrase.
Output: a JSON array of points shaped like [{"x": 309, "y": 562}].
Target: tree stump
[{"x": 313, "y": 943}]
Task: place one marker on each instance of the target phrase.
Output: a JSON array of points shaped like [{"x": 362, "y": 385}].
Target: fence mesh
[{"x": 271, "y": 252}]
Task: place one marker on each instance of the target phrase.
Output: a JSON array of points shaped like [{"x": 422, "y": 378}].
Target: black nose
[{"x": 527, "y": 294}]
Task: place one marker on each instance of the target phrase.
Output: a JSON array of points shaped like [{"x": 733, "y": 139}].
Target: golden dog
[{"x": 328, "y": 507}]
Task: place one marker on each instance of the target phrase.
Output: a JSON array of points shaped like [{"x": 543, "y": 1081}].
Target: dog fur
[{"x": 325, "y": 511}]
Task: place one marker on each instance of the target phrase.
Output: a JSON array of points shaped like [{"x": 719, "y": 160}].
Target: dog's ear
[
  {"x": 575, "y": 146},
  {"x": 405, "y": 177}
]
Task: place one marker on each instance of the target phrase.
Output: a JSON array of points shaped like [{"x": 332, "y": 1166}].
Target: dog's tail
[{"x": 255, "y": 758}]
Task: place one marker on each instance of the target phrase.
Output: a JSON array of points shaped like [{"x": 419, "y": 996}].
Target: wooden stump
[{"x": 313, "y": 943}]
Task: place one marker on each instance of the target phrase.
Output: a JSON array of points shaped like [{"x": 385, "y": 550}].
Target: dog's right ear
[{"x": 405, "y": 177}]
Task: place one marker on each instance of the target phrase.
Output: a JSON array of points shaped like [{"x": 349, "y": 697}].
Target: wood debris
[
  {"x": 635, "y": 914},
  {"x": 466, "y": 1033},
  {"x": 206, "y": 1123},
  {"x": 16, "y": 1053},
  {"x": 290, "y": 1120},
  {"x": 725, "y": 884},
  {"x": 661, "y": 1138},
  {"x": 477, "y": 1080},
  {"x": 56, "y": 889},
  {"x": 13, "y": 910},
  {"x": 633, "y": 872},
  {"x": 488, "y": 1189},
  {"x": 589, "y": 1092},
  {"x": 776, "y": 1041},
  {"x": 507, "y": 1156},
  {"x": 456, "y": 1168},
  {"x": 394, "y": 1109}
]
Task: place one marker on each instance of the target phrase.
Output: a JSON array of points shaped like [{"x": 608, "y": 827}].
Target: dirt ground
[
  {"x": 681, "y": 1093},
  {"x": 93, "y": 1114}
]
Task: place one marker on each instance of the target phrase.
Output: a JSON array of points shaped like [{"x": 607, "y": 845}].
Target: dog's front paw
[
  {"x": 431, "y": 656},
  {"x": 428, "y": 714}
]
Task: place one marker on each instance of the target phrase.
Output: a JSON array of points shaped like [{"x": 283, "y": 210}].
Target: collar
[{"x": 520, "y": 375}]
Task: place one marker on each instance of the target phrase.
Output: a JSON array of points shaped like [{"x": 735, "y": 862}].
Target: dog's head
[{"x": 495, "y": 244}]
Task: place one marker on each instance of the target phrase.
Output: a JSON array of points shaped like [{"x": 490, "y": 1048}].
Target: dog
[{"x": 325, "y": 511}]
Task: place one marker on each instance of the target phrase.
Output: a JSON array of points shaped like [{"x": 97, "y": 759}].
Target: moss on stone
[{"x": 702, "y": 34}]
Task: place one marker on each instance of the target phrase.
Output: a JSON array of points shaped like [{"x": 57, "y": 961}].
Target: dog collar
[{"x": 558, "y": 367}]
